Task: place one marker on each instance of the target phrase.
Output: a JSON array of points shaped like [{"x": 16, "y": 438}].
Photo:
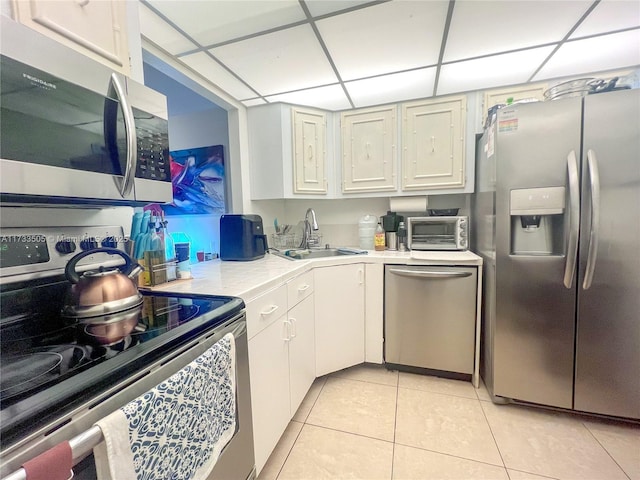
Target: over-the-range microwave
[
  {"x": 61, "y": 142},
  {"x": 438, "y": 233}
]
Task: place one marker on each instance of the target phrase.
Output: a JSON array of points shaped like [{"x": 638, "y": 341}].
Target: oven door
[
  {"x": 63, "y": 140},
  {"x": 236, "y": 461},
  {"x": 432, "y": 234}
]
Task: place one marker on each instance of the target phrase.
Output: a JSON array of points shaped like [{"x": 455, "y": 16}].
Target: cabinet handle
[
  {"x": 286, "y": 330},
  {"x": 433, "y": 144},
  {"x": 310, "y": 152},
  {"x": 302, "y": 288},
  {"x": 82, "y": 3},
  {"x": 293, "y": 332},
  {"x": 360, "y": 276},
  {"x": 272, "y": 309}
]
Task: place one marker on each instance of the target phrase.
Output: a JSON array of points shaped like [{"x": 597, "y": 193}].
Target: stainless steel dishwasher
[{"x": 429, "y": 318}]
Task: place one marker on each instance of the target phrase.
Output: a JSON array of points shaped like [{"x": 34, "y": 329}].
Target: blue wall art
[{"x": 197, "y": 176}]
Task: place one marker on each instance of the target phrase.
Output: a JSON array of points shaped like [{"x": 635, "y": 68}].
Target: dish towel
[
  {"x": 178, "y": 429},
  {"x": 54, "y": 464}
]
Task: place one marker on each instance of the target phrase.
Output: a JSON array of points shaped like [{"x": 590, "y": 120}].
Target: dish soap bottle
[{"x": 378, "y": 238}]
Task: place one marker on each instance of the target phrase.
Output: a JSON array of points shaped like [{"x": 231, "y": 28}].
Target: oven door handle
[{"x": 428, "y": 273}]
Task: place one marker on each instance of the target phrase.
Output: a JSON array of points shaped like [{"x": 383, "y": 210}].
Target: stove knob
[
  {"x": 89, "y": 244},
  {"x": 109, "y": 242},
  {"x": 66, "y": 246}
]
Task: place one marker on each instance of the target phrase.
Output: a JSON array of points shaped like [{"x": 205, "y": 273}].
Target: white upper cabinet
[
  {"x": 534, "y": 91},
  {"x": 309, "y": 150},
  {"x": 96, "y": 28},
  {"x": 287, "y": 148},
  {"x": 433, "y": 143},
  {"x": 369, "y": 150}
]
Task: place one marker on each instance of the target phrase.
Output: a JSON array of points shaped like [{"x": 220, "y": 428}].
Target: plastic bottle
[
  {"x": 367, "y": 230},
  {"x": 378, "y": 239}
]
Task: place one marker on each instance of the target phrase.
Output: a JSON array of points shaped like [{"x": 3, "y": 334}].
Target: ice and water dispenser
[{"x": 537, "y": 221}]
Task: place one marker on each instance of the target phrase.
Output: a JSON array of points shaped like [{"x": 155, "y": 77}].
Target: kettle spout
[{"x": 135, "y": 271}]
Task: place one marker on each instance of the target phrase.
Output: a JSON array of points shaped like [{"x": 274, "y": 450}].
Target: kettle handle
[{"x": 127, "y": 269}]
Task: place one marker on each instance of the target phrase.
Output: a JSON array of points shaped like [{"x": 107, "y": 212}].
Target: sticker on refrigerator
[{"x": 508, "y": 125}]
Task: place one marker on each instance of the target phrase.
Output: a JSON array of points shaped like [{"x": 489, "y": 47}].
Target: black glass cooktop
[{"x": 49, "y": 362}]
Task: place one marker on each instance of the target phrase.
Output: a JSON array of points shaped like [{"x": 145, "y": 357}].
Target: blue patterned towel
[{"x": 177, "y": 430}]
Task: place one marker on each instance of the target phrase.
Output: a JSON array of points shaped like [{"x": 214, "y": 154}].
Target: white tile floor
[{"x": 370, "y": 423}]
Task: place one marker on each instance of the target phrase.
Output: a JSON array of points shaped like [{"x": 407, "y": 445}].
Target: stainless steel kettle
[{"x": 102, "y": 291}]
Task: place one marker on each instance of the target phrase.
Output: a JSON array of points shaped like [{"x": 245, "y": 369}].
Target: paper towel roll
[{"x": 408, "y": 204}]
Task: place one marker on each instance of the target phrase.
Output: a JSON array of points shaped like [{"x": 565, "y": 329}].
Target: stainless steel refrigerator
[{"x": 556, "y": 217}]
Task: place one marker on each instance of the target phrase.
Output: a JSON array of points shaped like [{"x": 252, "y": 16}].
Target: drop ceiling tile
[
  {"x": 211, "y": 22},
  {"x": 488, "y": 27},
  {"x": 161, "y": 33},
  {"x": 610, "y": 15},
  {"x": 216, "y": 74},
  {"x": 279, "y": 62},
  {"x": 595, "y": 54},
  {"x": 317, "y": 8},
  {"x": 489, "y": 72},
  {"x": 385, "y": 38},
  {"x": 330, "y": 97},
  {"x": 391, "y": 88}
]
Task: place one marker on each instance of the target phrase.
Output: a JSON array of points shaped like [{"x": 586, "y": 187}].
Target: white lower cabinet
[
  {"x": 339, "y": 310},
  {"x": 302, "y": 358},
  {"x": 374, "y": 313},
  {"x": 281, "y": 359},
  {"x": 269, "y": 373}
]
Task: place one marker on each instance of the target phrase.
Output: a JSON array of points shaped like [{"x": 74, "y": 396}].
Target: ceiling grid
[{"x": 344, "y": 54}]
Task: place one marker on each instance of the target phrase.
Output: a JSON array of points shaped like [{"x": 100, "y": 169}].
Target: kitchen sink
[{"x": 308, "y": 254}]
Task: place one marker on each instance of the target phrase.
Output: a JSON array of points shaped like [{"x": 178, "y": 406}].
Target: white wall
[{"x": 199, "y": 129}]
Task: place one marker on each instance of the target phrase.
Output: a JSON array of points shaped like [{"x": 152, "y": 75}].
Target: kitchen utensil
[{"x": 101, "y": 291}]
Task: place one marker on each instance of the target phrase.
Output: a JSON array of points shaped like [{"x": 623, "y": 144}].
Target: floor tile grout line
[
  {"x": 349, "y": 433},
  {"x": 486, "y": 419},
  {"x": 395, "y": 424},
  {"x": 439, "y": 393},
  {"x": 298, "y": 435},
  {"x": 452, "y": 455},
  {"x": 605, "y": 449},
  {"x": 289, "y": 452}
]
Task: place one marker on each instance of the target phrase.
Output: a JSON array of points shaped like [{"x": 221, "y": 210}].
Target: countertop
[{"x": 252, "y": 278}]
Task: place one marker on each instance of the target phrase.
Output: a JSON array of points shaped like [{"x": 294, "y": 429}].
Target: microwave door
[{"x": 120, "y": 136}]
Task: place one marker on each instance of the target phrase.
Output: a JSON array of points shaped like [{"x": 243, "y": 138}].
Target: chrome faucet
[{"x": 308, "y": 227}]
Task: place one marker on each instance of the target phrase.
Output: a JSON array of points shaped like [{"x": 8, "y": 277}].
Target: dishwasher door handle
[{"x": 429, "y": 273}]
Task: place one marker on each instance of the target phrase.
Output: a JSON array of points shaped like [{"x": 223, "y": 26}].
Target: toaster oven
[{"x": 438, "y": 233}]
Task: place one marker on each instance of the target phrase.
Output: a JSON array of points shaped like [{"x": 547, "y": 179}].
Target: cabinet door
[
  {"x": 97, "y": 29},
  {"x": 269, "y": 371},
  {"x": 502, "y": 95},
  {"x": 369, "y": 150},
  {"x": 309, "y": 174},
  {"x": 373, "y": 309},
  {"x": 433, "y": 143},
  {"x": 302, "y": 357},
  {"x": 339, "y": 308}
]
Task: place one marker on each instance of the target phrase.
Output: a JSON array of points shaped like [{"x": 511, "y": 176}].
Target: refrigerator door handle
[
  {"x": 594, "y": 183},
  {"x": 574, "y": 219}
]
